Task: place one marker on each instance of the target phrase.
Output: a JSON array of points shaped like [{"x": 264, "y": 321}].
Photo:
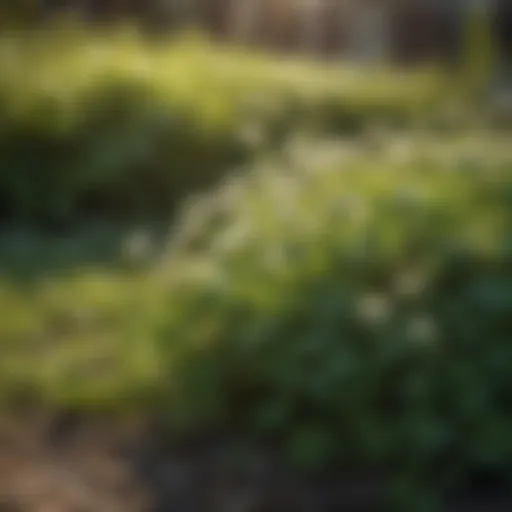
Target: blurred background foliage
[
  {"x": 110, "y": 124},
  {"x": 308, "y": 252}
]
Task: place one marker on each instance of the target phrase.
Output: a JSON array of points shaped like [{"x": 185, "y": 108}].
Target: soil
[{"x": 71, "y": 464}]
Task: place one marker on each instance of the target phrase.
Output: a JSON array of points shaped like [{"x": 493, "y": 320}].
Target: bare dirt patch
[{"x": 72, "y": 464}]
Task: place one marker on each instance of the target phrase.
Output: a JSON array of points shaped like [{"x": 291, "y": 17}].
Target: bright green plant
[{"x": 103, "y": 124}]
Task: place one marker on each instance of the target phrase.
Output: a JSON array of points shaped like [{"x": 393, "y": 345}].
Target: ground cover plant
[
  {"x": 349, "y": 302},
  {"x": 360, "y": 314}
]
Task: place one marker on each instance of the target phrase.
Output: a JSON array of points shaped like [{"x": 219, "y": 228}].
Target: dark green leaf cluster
[{"x": 361, "y": 315}]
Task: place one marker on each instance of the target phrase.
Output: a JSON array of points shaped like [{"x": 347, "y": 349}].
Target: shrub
[
  {"x": 354, "y": 307},
  {"x": 102, "y": 123},
  {"x": 360, "y": 313}
]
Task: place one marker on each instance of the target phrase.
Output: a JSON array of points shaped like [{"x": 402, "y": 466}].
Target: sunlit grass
[
  {"x": 64, "y": 64},
  {"x": 73, "y": 327}
]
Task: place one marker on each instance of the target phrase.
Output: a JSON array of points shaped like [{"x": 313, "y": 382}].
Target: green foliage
[
  {"x": 104, "y": 124},
  {"x": 356, "y": 308},
  {"x": 358, "y": 313},
  {"x": 352, "y": 302}
]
